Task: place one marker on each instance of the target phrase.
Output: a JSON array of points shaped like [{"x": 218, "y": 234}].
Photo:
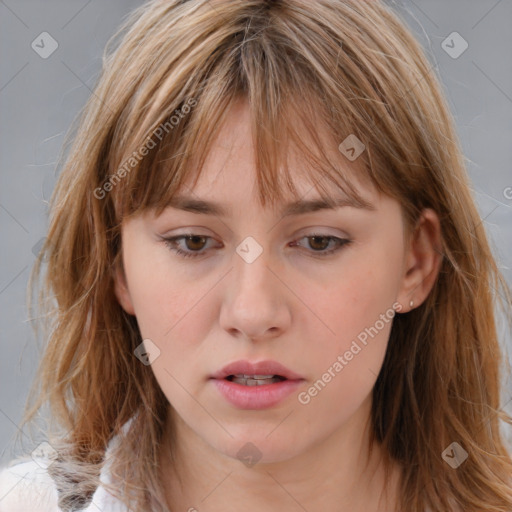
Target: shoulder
[{"x": 27, "y": 486}]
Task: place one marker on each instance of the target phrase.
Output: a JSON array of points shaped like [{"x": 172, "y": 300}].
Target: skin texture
[{"x": 290, "y": 305}]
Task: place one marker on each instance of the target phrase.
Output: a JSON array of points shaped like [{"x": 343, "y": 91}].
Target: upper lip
[{"x": 244, "y": 367}]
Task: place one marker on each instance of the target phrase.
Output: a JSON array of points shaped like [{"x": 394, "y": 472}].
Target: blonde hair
[{"x": 352, "y": 66}]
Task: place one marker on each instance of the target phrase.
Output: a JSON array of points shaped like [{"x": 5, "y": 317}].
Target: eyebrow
[{"x": 299, "y": 207}]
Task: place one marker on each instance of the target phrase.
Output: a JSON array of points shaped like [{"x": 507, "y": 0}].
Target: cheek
[
  {"x": 175, "y": 314},
  {"x": 356, "y": 310},
  {"x": 344, "y": 364},
  {"x": 166, "y": 301},
  {"x": 354, "y": 298}
]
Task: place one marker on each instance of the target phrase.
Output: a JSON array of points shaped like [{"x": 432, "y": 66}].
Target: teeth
[
  {"x": 247, "y": 380},
  {"x": 243, "y": 376}
]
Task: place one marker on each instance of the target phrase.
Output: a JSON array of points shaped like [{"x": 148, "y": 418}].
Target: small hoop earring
[{"x": 411, "y": 304}]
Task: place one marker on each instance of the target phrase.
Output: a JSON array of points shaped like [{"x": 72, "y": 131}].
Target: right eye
[{"x": 193, "y": 245}]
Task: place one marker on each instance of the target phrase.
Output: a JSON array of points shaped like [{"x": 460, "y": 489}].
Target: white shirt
[{"x": 28, "y": 487}]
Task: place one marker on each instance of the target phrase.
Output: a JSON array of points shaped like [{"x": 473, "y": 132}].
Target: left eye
[
  {"x": 320, "y": 242},
  {"x": 194, "y": 244}
]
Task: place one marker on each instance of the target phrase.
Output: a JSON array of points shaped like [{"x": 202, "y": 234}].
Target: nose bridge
[
  {"x": 254, "y": 303},
  {"x": 252, "y": 274}
]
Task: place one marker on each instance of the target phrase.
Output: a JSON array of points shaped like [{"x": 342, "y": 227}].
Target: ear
[
  {"x": 423, "y": 258},
  {"x": 121, "y": 289}
]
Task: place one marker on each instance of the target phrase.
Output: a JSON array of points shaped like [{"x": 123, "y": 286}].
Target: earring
[{"x": 411, "y": 304}]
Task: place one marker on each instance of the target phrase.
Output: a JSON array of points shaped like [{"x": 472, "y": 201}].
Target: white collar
[{"x": 103, "y": 500}]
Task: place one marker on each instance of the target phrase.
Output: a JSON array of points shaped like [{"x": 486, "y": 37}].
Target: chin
[{"x": 256, "y": 446}]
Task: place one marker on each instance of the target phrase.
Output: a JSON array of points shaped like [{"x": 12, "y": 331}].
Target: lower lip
[{"x": 256, "y": 397}]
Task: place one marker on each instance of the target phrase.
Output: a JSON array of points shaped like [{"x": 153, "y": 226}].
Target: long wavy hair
[{"x": 169, "y": 76}]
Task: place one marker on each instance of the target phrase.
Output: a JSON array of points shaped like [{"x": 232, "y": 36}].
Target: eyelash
[{"x": 171, "y": 244}]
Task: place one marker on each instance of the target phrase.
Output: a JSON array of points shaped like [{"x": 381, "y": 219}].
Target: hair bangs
[{"x": 294, "y": 135}]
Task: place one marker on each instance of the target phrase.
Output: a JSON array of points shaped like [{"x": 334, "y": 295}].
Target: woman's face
[{"x": 259, "y": 285}]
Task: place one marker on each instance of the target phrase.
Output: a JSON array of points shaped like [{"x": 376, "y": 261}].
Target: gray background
[{"x": 39, "y": 98}]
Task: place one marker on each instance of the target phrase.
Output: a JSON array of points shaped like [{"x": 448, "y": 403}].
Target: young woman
[{"x": 272, "y": 289}]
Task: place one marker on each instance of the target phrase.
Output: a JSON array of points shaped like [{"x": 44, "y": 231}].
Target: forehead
[
  {"x": 230, "y": 168},
  {"x": 246, "y": 154}
]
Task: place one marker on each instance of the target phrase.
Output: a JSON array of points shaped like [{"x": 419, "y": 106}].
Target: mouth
[{"x": 258, "y": 385}]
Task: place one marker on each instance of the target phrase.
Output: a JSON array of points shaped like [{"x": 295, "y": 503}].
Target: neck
[{"x": 337, "y": 474}]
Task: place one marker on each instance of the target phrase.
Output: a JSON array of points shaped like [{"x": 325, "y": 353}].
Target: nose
[{"x": 255, "y": 304}]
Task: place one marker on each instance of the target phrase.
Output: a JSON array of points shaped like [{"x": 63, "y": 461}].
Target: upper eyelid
[{"x": 298, "y": 237}]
